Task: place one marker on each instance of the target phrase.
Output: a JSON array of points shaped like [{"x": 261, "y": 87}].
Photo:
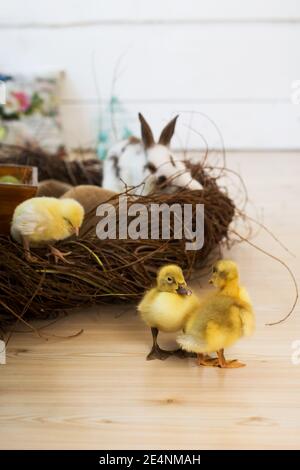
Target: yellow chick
[
  {"x": 167, "y": 306},
  {"x": 222, "y": 319},
  {"x": 43, "y": 220}
]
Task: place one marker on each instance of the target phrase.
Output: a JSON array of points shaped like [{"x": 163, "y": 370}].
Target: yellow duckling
[
  {"x": 222, "y": 319},
  {"x": 167, "y": 306}
]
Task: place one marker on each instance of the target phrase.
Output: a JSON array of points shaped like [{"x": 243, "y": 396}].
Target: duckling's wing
[
  {"x": 215, "y": 308},
  {"x": 217, "y": 325},
  {"x": 213, "y": 337},
  {"x": 248, "y": 321},
  {"x": 246, "y": 312}
]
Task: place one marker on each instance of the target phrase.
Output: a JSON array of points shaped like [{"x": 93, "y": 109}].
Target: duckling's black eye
[{"x": 169, "y": 279}]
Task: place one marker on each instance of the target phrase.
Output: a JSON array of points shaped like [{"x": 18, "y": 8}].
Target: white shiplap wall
[{"x": 232, "y": 60}]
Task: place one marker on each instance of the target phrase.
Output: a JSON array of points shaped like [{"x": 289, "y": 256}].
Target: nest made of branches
[
  {"x": 82, "y": 167},
  {"x": 106, "y": 271}
]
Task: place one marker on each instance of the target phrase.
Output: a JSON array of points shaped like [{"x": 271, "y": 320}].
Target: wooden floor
[{"x": 97, "y": 391}]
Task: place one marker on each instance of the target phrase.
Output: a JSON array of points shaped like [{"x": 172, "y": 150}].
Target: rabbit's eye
[{"x": 161, "y": 180}]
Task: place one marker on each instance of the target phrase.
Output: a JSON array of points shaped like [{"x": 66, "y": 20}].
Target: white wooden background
[{"x": 232, "y": 60}]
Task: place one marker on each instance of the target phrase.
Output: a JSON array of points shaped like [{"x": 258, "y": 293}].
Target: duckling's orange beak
[{"x": 183, "y": 290}]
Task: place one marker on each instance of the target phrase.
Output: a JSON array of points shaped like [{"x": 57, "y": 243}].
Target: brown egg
[
  {"x": 89, "y": 196},
  {"x": 52, "y": 188}
]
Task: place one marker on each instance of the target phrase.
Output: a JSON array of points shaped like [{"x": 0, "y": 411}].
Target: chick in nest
[
  {"x": 167, "y": 306},
  {"x": 222, "y": 318},
  {"x": 45, "y": 220}
]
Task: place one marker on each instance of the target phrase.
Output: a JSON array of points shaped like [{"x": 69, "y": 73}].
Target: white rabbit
[{"x": 133, "y": 161}]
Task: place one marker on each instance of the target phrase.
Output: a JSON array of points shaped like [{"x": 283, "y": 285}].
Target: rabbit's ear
[
  {"x": 146, "y": 132},
  {"x": 167, "y": 133}
]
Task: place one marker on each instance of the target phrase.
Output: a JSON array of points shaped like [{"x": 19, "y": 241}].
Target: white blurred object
[{"x": 2, "y": 353}]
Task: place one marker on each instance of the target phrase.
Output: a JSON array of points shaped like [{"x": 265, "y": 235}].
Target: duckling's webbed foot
[
  {"x": 206, "y": 360},
  {"x": 228, "y": 364},
  {"x": 183, "y": 354},
  {"x": 234, "y": 364},
  {"x": 158, "y": 353}
]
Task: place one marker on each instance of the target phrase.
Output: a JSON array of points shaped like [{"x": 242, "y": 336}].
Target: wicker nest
[
  {"x": 82, "y": 168},
  {"x": 109, "y": 270}
]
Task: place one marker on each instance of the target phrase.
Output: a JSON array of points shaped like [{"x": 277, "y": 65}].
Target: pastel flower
[{"x": 23, "y": 99}]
